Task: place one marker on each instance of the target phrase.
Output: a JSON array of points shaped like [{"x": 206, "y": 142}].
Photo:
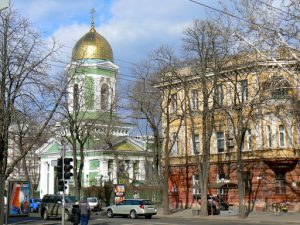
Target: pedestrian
[
  {"x": 75, "y": 218},
  {"x": 84, "y": 212}
]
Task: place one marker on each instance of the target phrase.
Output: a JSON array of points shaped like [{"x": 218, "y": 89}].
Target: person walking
[
  {"x": 84, "y": 212},
  {"x": 75, "y": 218}
]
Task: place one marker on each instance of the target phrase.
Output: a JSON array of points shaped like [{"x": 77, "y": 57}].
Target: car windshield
[
  {"x": 70, "y": 199},
  {"x": 92, "y": 200},
  {"x": 147, "y": 202}
]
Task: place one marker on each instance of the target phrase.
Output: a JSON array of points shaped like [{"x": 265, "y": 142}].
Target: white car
[
  {"x": 132, "y": 208},
  {"x": 94, "y": 203}
]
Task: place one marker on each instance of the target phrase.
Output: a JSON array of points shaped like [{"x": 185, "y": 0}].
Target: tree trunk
[
  {"x": 241, "y": 190},
  {"x": 166, "y": 201},
  {"x": 2, "y": 188}
]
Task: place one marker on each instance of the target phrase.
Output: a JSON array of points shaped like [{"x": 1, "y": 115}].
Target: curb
[{"x": 254, "y": 218}]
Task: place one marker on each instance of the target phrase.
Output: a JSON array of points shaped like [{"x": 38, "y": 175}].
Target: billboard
[
  {"x": 119, "y": 192},
  {"x": 19, "y": 194}
]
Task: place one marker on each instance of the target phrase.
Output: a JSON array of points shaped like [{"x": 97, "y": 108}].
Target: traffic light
[
  {"x": 67, "y": 168},
  {"x": 59, "y": 169},
  {"x": 62, "y": 185}
]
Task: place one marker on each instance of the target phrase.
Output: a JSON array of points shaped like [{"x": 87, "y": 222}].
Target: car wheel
[
  {"x": 45, "y": 215},
  {"x": 133, "y": 214},
  {"x": 148, "y": 216},
  {"x": 110, "y": 213}
]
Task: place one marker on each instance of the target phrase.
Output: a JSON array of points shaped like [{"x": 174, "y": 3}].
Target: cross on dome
[{"x": 93, "y": 11}]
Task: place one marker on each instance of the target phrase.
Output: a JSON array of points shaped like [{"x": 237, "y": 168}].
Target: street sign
[{"x": 4, "y": 4}]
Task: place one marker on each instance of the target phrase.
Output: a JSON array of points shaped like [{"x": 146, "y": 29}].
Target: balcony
[{"x": 287, "y": 153}]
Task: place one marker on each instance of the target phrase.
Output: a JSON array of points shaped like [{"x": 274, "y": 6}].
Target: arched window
[
  {"x": 104, "y": 97},
  {"x": 279, "y": 87}
]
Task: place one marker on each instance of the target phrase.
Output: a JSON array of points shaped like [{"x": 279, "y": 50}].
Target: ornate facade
[{"x": 267, "y": 96}]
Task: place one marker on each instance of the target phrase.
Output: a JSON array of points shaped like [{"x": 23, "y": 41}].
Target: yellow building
[{"x": 257, "y": 101}]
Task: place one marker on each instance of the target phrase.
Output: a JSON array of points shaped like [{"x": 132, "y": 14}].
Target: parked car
[
  {"x": 132, "y": 208},
  {"x": 51, "y": 206},
  {"x": 94, "y": 203},
  {"x": 34, "y": 204}
]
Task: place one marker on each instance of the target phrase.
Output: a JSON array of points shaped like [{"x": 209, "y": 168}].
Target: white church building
[{"x": 92, "y": 89}]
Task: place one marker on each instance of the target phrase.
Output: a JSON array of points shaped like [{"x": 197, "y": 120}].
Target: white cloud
[{"x": 133, "y": 27}]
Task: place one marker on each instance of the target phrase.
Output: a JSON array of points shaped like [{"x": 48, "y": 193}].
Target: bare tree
[
  {"x": 145, "y": 102},
  {"x": 160, "y": 110},
  {"x": 206, "y": 44},
  {"x": 24, "y": 61}
]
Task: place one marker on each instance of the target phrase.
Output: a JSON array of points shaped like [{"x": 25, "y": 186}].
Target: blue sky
[{"x": 133, "y": 27}]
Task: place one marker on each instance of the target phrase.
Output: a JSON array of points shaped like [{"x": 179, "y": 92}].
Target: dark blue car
[{"x": 34, "y": 204}]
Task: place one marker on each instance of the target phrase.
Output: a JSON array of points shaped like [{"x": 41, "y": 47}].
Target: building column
[{"x": 44, "y": 179}]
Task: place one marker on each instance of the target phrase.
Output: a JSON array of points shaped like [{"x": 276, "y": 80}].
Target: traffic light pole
[{"x": 63, "y": 178}]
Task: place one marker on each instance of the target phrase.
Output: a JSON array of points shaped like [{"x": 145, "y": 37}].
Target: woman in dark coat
[{"x": 76, "y": 214}]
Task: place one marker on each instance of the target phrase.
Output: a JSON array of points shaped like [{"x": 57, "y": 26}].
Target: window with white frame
[
  {"x": 281, "y": 136},
  {"x": 196, "y": 185},
  {"x": 173, "y": 103},
  {"x": 194, "y": 100},
  {"x": 196, "y": 146},
  {"x": 280, "y": 182},
  {"x": 220, "y": 141},
  {"x": 249, "y": 139},
  {"x": 269, "y": 136},
  {"x": 219, "y": 95},
  {"x": 174, "y": 150},
  {"x": 243, "y": 90}
]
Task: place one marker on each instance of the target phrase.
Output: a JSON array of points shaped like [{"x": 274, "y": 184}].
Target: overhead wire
[
  {"x": 280, "y": 31},
  {"x": 275, "y": 8}
]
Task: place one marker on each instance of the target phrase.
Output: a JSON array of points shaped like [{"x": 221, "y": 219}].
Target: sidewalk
[{"x": 269, "y": 217}]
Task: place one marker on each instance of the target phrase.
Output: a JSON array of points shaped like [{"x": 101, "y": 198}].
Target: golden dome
[{"x": 92, "y": 46}]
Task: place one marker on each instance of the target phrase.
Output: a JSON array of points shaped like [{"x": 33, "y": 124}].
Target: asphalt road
[{"x": 156, "y": 220}]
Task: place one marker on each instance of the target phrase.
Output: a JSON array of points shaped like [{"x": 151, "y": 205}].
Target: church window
[{"x": 104, "y": 97}]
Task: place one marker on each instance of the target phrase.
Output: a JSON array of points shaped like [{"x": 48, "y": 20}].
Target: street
[{"x": 101, "y": 219}]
